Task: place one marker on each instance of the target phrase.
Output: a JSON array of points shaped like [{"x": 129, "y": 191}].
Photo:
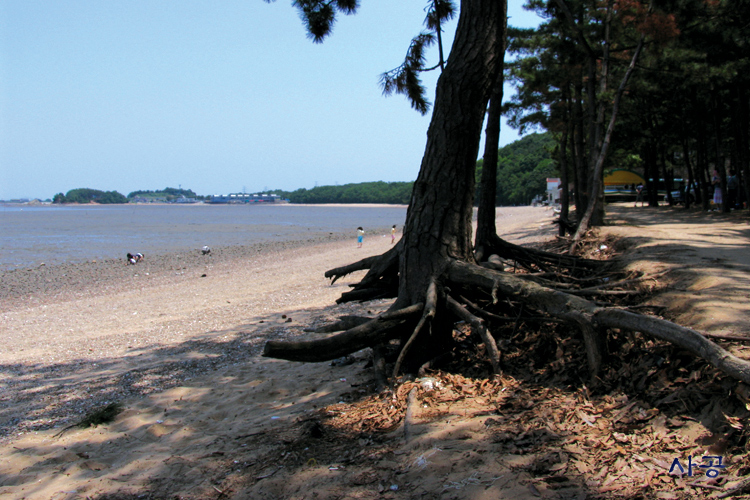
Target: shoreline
[
  {"x": 57, "y": 235},
  {"x": 34, "y": 283},
  {"x": 354, "y": 205}
]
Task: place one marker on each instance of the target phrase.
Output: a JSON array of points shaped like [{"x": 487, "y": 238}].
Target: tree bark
[
  {"x": 581, "y": 187},
  {"x": 438, "y": 221},
  {"x": 564, "y": 181},
  {"x": 486, "y": 212}
]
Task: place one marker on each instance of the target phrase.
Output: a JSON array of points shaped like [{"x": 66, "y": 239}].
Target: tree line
[
  {"x": 167, "y": 193},
  {"x": 87, "y": 195},
  {"x": 397, "y": 193}
]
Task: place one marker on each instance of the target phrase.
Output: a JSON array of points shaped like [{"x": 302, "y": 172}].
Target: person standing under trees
[
  {"x": 638, "y": 194},
  {"x": 360, "y": 236},
  {"x": 733, "y": 186},
  {"x": 718, "y": 198}
]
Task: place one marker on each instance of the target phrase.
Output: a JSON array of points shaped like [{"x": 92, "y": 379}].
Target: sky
[{"x": 217, "y": 97}]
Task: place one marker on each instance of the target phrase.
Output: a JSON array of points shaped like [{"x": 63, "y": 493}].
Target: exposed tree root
[
  {"x": 427, "y": 314},
  {"x": 465, "y": 285},
  {"x": 374, "y": 332},
  {"x": 533, "y": 259},
  {"x": 492, "y": 353},
  {"x": 381, "y": 280},
  {"x": 344, "y": 323},
  {"x": 583, "y": 312}
]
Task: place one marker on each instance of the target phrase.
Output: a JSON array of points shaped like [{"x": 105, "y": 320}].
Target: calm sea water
[{"x": 30, "y": 235}]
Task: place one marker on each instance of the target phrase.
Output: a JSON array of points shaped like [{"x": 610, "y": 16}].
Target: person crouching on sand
[
  {"x": 360, "y": 236},
  {"x": 134, "y": 258}
]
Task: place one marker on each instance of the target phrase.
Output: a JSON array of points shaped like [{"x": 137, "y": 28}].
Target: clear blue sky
[{"x": 217, "y": 97}]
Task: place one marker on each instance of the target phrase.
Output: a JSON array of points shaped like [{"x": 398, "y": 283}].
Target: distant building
[
  {"x": 553, "y": 190},
  {"x": 238, "y": 198}
]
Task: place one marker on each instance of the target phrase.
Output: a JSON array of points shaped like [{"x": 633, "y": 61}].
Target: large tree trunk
[
  {"x": 580, "y": 187},
  {"x": 486, "y": 213},
  {"x": 564, "y": 182},
  {"x": 438, "y": 221},
  {"x": 702, "y": 167},
  {"x": 691, "y": 176}
]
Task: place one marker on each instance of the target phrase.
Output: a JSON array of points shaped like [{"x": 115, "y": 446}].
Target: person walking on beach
[
  {"x": 393, "y": 234},
  {"x": 360, "y": 236},
  {"x": 638, "y": 194}
]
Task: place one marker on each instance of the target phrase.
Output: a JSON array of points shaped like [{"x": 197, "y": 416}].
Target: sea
[{"x": 34, "y": 234}]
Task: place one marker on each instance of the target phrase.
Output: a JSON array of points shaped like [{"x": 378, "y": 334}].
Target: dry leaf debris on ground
[
  {"x": 608, "y": 443},
  {"x": 661, "y": 423}
]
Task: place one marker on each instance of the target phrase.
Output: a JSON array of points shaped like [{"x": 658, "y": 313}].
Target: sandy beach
[
  {"x": 103, "y": 319},
  {"x": 176, "y": 339}
]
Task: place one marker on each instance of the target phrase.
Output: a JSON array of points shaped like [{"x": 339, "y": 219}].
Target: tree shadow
[
  {"x": 709, "y": 281},
  {"x": 192, "y": 413}
]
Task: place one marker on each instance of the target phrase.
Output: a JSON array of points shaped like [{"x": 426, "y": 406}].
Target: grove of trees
[
  {"x": 664, "y": 81},
  {"x": 167, "y": 193}
]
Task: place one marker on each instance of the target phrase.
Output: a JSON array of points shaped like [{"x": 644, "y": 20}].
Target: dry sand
[{"x": 177, "y": 340}]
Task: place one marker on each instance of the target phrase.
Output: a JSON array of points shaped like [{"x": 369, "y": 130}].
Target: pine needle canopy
[{"x": 319, "y": 16}]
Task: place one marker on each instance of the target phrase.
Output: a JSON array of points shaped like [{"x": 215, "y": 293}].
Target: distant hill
[
  {"x": 523, "y": 169},
  {"x": 166, "y": 194},
  {"x": 397, "y": 193}
]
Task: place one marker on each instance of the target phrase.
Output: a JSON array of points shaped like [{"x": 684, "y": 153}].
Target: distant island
[
  {"x": 88, "y": 195},
  {"x": 523, "y": 168}
]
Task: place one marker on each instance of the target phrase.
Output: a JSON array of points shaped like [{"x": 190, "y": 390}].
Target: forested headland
[
  {"x": 523, "y": 169},
  {"x": 87, "y": 195}
]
